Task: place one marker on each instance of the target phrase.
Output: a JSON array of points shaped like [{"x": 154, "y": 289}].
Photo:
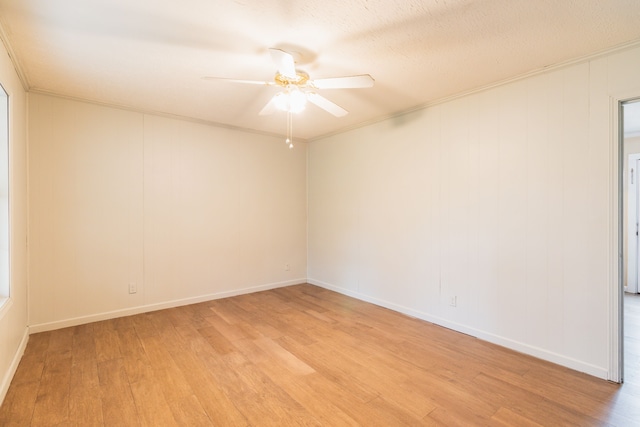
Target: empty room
[{"x": 243, "y": 213}]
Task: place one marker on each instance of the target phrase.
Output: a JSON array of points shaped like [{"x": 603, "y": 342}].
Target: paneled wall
[
  {"x": 489, "y": 214},
  {"x": 181, "y": 211}
]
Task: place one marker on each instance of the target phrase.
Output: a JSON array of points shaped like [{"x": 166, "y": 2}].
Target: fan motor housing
[{"x": 301, "y": 79}]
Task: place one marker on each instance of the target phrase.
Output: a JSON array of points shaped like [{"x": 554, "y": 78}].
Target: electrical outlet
[
  {"x": 453, "y": 302},
  {"x": 132, "y": 288},
  {"x": 287, "y": 267}
]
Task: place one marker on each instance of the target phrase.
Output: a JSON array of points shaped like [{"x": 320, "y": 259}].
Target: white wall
[
  {"x": 185, "y": 211},
  {"x": 501, "y": 198},
  {"x": 13, "y": 316}
]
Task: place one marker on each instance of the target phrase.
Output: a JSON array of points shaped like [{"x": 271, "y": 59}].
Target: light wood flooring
[{"x": 300, "y": 355}]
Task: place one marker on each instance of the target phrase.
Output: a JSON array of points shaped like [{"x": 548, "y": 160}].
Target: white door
[{"x": 633, "y": 224}]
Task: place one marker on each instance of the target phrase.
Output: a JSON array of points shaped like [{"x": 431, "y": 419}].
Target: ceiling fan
[{"x": 298, "y": 88}]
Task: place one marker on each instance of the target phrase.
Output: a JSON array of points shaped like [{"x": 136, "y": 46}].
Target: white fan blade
[
  {"x": 270, "y": 108},
  {"x": 326, "y": 105},
  {"x": 284, "y": 63},
  {"x": 251, "y": 82},
  {"x": 350, "y": 82}
]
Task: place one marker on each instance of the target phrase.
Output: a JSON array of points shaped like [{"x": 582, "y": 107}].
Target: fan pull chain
[{"x": 289, "y": 140}]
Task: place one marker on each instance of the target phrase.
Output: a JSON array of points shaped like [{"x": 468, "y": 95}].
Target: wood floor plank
[
  {"x": 133, "y": 356},
  {"x": 85, "y": 404},
  {"x": 118, "y": 407},
  {"x": 60, "y": 341},
  {"x": 412, "y": 389},
  {"x": 206, "y": 385},
  {"x": 19, "y": 403},
  {"x": 506, "y": 417},
  {"x": 151, "y": 404},
  {"x": 233, "y": 332},
  {"x": 323, "y": 360},
  {"x": 263, "y": 402},
  {"x": 448, "y": 416},
  {"x": 303, "y": 391},
  {"x": 230, "y": 310},
  {"x": 32, "y": 363},
  {"x": 283, "y": 357},
  {"x": 188, "y": 411},
  {"x": 301, "y": 355},
  {"x": 567, "y": 394},
  {"x": 532, "y": 406},
  {"x": 107, "y": 342},
  {"x": 52, "y": 403},
  {"x": 389, "y": 383},
  {"x": 144, "y": 326},
  {"x": 277, "y": 322},
  {"x": 365, "y": 413},
  {"x": 217, "y": 341},
  {"x": 292, "y": 296},
  {"x": 169, "y": 376}
]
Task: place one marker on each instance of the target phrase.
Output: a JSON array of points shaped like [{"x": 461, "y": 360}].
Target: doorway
[
  {"x": 631, "y": 218},
  {"x": 629, "y": 147}
]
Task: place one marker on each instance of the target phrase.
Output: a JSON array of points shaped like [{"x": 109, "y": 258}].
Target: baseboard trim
[
  {"x": 50, "y": 326},
  {"x": 13, "y": 367},
  {"x": 520, "y": 347},
  {"x": 534, "y": 351}
]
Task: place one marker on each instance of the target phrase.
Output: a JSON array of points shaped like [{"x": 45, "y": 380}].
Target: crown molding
[{"x": 22, "y": 76}]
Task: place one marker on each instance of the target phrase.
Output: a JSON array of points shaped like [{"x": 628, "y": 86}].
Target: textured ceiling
[{"x": 151, "y": 55}]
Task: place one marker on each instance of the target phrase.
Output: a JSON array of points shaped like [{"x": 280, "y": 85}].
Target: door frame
[{"x": 616, "y": 255}]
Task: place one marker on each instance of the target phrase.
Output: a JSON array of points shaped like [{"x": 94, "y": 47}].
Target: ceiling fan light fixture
[
  {"x": 293, "y": 100},
  {"x": 297, "y": 89}
]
